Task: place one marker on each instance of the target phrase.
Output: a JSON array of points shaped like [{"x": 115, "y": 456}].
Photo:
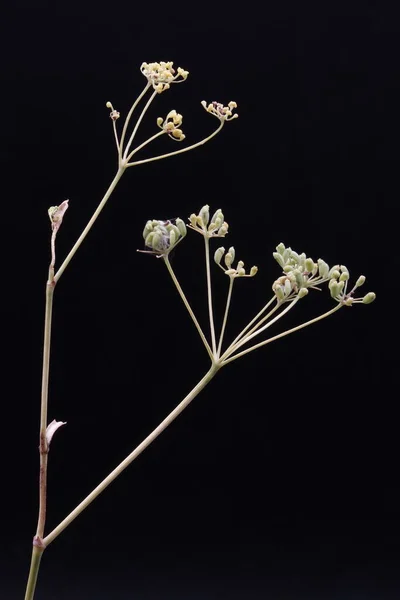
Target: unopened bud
[
  {"x": 360, "y": 281},
  {"x": 370, "y": 297},
  {"x": 219, "y": 254},
  {"x": 204, "y": 214},
  {"x": 181, "y": 227},
  {"x": 302, "y": 292}
]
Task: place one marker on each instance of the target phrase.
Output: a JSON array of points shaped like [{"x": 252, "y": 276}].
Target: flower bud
[
  {"x": 204, "y": 214},
  {"x": 344, "y": 276},
  {"x": 253, "y": 271},
  {"x": 181, "y": 227},
  {"x": 302, "y": 292},
  {"x": 160, "y": 121},
  {"x": 280, "y": 248},
  {"x": 309, "y": 264},
  {"x": 279, "y": 259},
  {"x": 334, "y": 288},
  {"x": 360, "y": 281},
  {"x": 228, "y": 259},
  {"x": 219, "y": 254},
  {"x": 323, "y": 268},
  {"x": 280, "y": 294},
  {"x": 370, "y": 297}
]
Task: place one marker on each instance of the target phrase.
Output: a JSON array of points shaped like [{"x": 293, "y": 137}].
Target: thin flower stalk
[
  {"x": 282, "y": 335},
  {"x": 225, "y": 319},
  {"x": 188, "y": 307}
]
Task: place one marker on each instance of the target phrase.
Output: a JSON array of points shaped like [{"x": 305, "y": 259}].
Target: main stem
[
  {"x": 134, "y": 454},
  {"x": 38, "y": 546}
]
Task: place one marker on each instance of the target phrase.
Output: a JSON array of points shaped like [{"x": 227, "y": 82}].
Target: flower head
[
  {"x": 171, "y": 125},
  {"x": 162, "y": 236},
  {"x": 216, "y": 227},
  {"x": 229, "y": 257},
  {"x": 223, "y": 113},
  {"x": 161, "y": 75},
  {"x": 302, "y": 273}
]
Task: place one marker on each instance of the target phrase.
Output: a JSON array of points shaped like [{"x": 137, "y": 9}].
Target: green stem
[
  {"x": 84, "y": 233},
  {"x": 228, "y": 303},
  {"x": 33, "y": 572},
  {"x": 128, "y": 145},
  {"x": 209, "y": 295},
  {"x": 146, "y": 160},
  {"x": 128, "y": 118},
  {"x": 129, "y": 459},
  {"x": 188, "y": 307},
  {"x": 281, "y": 335},
  {"x": 38, "y": 546}
]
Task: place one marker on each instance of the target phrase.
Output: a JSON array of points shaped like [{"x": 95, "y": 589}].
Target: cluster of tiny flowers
[
  {"x": 162, "y": 236},
  {"x": 223, "y": 113},
  {"x": 301, "y": 273},
  {"x": 114, "y": 114},
  {"x": 161, "y": 75},
  {"x": 171, "y": 125},
  {"x": 216, "y": 227},
  {"x": 229, "y": 257}
]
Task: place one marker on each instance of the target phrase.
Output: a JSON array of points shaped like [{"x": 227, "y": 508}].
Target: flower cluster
[
  {"x": 229, "y": 257},
  {"x": 171, "y": 125},
  {"x": 201, "y": 223},
  {"x": 161, "y": 75},
  {"x": 162, "y": 236},
  {"x": 223, "y": 113},
  {"x": 301, "y": 273}
]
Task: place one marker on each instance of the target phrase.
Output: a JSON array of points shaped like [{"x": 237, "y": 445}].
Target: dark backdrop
[{"x": 281, "y": 479}]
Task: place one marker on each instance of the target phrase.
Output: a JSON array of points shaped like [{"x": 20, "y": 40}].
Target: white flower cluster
[
  {"x": 229, "y": 257},
  {"x": 162, "y": 236},
  {"x": 216, "y": 227},
  {"x": 171, "y": 125},
  {"x": 301, "y": 273},
  {"x": 161, "y": 75},
  {"x": 223, "y": 113}
]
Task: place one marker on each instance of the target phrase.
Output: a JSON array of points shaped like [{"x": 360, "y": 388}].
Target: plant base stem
[{"x": 37, "y": 553}]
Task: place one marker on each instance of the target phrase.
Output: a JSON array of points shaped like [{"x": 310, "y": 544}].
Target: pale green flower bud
[
  {"x": 335, "y": 274},
  {"x": 149, "y": 240},
  {"x": 280, "y": 294},
  {"x": 344, "y": 276},
  {"x": 302, "y": 292},
  {"x": 147, "y": 229},
  {"x": 217, "y": 215},
  {"x": 228, "y": 259},
  {"x": 219, "y": 254},
  {"x": 334, "y": 288},
  {"x": 253, "y": 271},
  {"x": 204, "y": 214},
  {"x": 370, "y": 297},
  {"x": 223, "y": 230},
  {"x": 360, "y": 281},
  {"x": 279, "y": 259},
  {"x": 181, "y": 227},
  {"x": 280, "y": 248},
  {"x": 193, "y": 220},
  {"x": 288, "y": 287},
  {"x": 288, "y": 268},
  {"x": 323, "y": 268},
  {"x": 340, "y": 286},
  {"x": 232, "y": 252},
  {"x": 299, "y": 278},
  {"x": 309, "y": 264},
  {"x": 344, "y": 269}
]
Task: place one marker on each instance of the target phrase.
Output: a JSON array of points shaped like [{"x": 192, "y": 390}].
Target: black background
[{"x": 280, "y": 481}]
